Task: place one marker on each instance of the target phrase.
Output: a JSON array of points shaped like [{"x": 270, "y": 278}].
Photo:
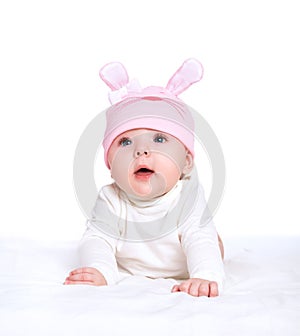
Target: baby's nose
[{"x": 140, "y": 152}]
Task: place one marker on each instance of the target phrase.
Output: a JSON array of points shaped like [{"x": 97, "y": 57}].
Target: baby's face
[{"x": 148, "y": 163}]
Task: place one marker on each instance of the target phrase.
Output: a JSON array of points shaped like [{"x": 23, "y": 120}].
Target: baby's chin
[
  {"x": 145, "y": 193},
  {"x": 147, "y": 190},
  {"x": 155, "y": 187}
]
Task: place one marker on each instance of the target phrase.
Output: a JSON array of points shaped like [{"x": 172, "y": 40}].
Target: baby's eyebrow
[
  {"x": 123, "y": 138},
  {"x": 161, "y": 134}
]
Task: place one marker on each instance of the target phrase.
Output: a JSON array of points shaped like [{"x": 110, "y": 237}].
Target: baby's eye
[
  {"x": 160, "y": 138},
  {"x": 125, "y": 142}
]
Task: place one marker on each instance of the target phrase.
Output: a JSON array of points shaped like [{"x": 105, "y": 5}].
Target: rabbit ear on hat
[
  {"x": 189, "y": 73},
  {"x": 114, "y": 75}
]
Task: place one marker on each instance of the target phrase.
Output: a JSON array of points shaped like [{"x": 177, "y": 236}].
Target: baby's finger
[
  {"x": 204, "y": 289},
  {"x": 194, "y": 288},
  {"x": 81, "y": 277},
  {"x": 83, "y": 270},
  {"x": 213, "y": 292},
  {"x": 185, "y": 286},
  {"x": 175, "y": 289}
]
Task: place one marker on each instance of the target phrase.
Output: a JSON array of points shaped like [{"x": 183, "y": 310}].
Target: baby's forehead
[{"x": 140, "y": 131}]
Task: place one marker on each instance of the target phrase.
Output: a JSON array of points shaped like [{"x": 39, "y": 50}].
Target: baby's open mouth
[{"x": 144, "y": 171}]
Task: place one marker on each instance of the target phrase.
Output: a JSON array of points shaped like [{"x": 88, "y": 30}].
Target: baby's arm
[
  {"x": 98, "y": 260},
  {"x": 201, "y": 246}
]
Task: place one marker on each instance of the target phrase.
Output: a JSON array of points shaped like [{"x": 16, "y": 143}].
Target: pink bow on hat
[{"x": 115, "y": 76}]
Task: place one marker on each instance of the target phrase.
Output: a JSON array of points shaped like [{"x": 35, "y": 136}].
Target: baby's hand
[
  {"x": 85, "y": 276},
  {"x": 198, "y": 287}
]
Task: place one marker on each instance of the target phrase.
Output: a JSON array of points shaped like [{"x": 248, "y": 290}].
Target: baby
[{"x": 152, "y": 221}]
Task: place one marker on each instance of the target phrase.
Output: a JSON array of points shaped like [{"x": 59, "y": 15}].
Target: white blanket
[{"x": 261, "y": 295}]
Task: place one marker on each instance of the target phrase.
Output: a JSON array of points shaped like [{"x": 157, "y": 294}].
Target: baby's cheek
[
  {"x": 167, "y": 166},
  {"x": 120, "y": 166}
]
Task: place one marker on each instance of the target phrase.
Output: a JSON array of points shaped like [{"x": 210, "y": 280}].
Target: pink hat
[{"x": 152, "y": 107}]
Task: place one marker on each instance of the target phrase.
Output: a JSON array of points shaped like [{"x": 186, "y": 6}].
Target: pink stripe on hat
[{"x": 152, "y": 107}]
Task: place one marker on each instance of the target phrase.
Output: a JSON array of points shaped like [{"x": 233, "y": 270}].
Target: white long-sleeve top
[{"x": 163, "y": 238}]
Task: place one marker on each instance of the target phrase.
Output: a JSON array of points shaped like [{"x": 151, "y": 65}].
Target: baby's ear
[{"x": 189, "y": 163}]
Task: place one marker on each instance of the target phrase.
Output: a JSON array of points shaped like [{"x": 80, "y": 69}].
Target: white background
[{"x": 51, "y": 52}]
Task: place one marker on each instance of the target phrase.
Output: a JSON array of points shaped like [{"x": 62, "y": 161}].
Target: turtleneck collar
[{"x": 159, "y": 200}]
